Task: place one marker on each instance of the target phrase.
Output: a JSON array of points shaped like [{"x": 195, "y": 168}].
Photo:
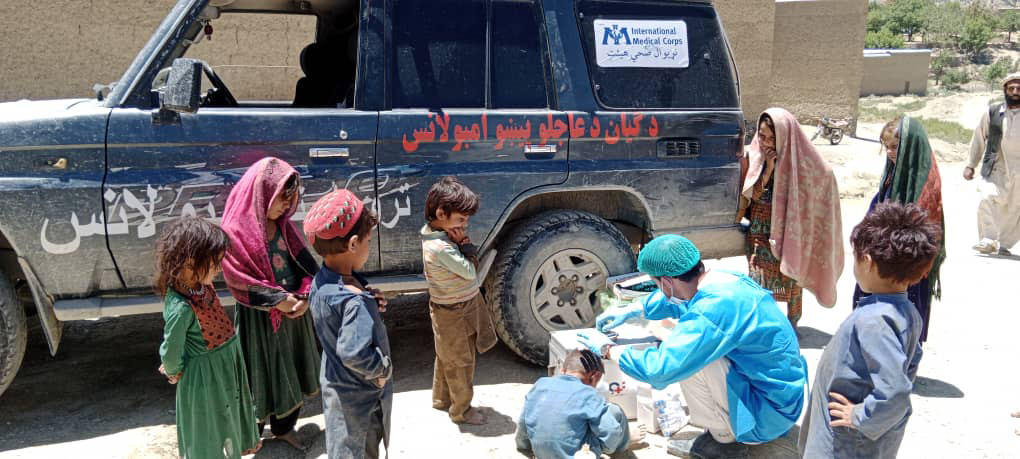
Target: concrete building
[
  {"x": 803, "y": 55},
  {"x": 894, "y": 72}
]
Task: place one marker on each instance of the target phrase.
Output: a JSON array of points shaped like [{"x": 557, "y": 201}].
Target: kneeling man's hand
[{"x": 841, "y": 411}]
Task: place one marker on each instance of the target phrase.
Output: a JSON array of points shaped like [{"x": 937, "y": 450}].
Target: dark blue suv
[{"x": 587, "y": 126}]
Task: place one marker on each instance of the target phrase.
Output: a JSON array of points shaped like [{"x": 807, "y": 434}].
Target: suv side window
[
  {"x": 438, "y": 54},
  {"x": 707, "y": 81},
  {"x": 518, "y": 72}
]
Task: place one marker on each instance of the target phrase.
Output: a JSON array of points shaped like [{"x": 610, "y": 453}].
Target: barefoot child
[
  {"x": 200, "y": 353},
  {"x": 565, "y": 412},
  {"x": 269, "y": 271},
  {"x": 460, "y": 319},
  {"x": 860, "y": 402},
  {"x": 356, "y": 391}
]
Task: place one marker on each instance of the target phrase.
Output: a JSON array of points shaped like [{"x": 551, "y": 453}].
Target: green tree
[
  {"x": 977, "y": 32},
  {"x": 940, "y": 64},
  {"x": 955, "y": 78},
  {"x": 906, "y": 16},
  {"x": 993, "y": 74},
  {"x": 944, "y": 23},
  {"x": 877, "y": 18},
  {"x": 883, "y": 39},
  {"x": 1010, "y": 22}
]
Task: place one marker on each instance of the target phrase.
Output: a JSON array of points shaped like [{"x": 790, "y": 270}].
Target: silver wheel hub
[{"x": 563, "y": 290}]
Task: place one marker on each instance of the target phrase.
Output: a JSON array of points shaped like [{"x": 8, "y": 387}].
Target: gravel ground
[{"x": 101, "y": 396}]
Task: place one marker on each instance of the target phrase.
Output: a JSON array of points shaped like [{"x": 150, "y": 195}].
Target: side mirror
[
  {"x": 183, "y": 91},
  {"x": 749, "y": 130}
]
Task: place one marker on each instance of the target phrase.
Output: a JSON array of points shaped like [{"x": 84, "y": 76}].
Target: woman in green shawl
[{"x": 912, "y": 176}]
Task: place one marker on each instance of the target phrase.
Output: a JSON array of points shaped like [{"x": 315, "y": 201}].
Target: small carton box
[{"x": 615, "y": 386}]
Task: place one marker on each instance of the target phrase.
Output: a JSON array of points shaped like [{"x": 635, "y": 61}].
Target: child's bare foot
[
  {"x": 292, "y": 439},
  {"x": 637, "y": 435},
  {"x": 254, "y": 450},
  {"x": 474, "y": 417}
]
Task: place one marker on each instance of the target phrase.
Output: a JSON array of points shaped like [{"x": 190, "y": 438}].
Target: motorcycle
[{"x": 831, "y": 129}]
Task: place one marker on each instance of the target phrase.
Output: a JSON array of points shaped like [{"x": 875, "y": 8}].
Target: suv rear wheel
[
  {"x": 13, "y": 333},
  {"x": 546, "y": 276}
]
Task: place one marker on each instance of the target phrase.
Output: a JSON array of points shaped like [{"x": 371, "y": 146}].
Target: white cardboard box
[{"x": 615, "y": 386}]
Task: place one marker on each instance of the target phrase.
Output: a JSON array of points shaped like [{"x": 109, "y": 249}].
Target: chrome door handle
[
  {"x": 342, "y": 152},
  {"x": 533, "y": 148}
]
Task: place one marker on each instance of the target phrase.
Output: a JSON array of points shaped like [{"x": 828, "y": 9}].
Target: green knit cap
[{"x": 668, "y": 255}]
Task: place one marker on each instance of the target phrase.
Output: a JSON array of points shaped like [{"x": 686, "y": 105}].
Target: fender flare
[{"x": 522, "y": 198}]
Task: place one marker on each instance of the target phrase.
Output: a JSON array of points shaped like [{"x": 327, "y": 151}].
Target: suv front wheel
[
  {"x": 13, "y": 333},
  {"x": 546, "y": 276}
]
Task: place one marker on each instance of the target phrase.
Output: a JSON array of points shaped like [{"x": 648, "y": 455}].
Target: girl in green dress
[{"x": 200, "y": 353}]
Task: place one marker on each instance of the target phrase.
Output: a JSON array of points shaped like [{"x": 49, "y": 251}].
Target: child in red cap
[{"x": 357, "y": 394}]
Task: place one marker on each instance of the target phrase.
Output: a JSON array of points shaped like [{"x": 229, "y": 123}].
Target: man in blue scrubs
[{"x": 733, "y": 352}]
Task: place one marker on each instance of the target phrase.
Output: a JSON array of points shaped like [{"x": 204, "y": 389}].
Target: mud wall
[
  {"x": 60, "y": 48},
  {"x": 749, "y": 26},
  {"x": 817, "y": 54},
  {"x": 803, "y": 55},
  {"x": 895, "y": 72}
]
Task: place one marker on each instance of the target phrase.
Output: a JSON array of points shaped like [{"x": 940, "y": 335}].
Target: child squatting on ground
[
  {"x": 860, "y": 402},
  {"x": 460, "y": 319},
  {"x": 357, "y": 392},
  {"x": 200, "y": 352},
  {"x": 563, "y": 413}
]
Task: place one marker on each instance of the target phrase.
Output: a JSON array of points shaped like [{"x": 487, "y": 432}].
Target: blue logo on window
[{"x": 617, "y": 33}]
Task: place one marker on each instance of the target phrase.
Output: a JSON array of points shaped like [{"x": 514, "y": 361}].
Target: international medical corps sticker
[
  {"x": 617, "y": 387},
  {"x": 631, "y": 43}
]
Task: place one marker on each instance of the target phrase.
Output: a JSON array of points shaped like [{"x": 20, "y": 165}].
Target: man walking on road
[{"x": 996, "y": 148}]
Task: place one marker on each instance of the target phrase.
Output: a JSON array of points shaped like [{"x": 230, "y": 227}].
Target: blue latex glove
[
  {"x": 594, "y": 341},
  {"x": 614, "y": 317}
]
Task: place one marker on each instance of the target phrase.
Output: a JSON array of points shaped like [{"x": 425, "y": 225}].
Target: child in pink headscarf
[{"x": 269, "y": 271}]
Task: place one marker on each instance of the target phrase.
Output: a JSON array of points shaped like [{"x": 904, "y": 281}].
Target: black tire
[
  {"x": 837, "y": 136},
  {"x": 13, "y": 333},
  {"x": 511, "y": 284}
]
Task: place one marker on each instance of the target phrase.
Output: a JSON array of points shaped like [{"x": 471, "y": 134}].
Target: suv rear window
[
  {"x": 706, "y": 81},
  {"x": 439, "y": 54}
]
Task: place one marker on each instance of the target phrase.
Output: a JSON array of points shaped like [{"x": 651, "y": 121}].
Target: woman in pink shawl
[
  {"x": 789, "y": 195},
  {"x": 269, "y": 270}
]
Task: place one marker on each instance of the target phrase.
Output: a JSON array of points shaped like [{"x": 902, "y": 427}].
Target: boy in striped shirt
[{"x": 460, "y": 320}]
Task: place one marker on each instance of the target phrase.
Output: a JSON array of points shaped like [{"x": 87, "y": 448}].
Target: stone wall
[
  {"x": 816, "y": 60},
  {"x": 895, "y": 72}
]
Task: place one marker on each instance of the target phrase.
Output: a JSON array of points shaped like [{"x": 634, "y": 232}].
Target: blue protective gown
[
  {"x": 561, "y": 414},
  {"x": 730, "y": 316}
]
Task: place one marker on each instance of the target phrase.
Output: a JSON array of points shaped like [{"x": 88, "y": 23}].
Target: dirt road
[{"x": 101, "y": 395}]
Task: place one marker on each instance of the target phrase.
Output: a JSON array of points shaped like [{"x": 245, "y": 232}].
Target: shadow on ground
[
  {"x": 934, "y": 388},
  {"x": 103, "y": 381}
]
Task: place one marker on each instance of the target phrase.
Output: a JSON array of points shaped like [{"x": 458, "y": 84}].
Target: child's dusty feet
[
  {"x": 292, "y": 439},
  {"x": 254, "y": 450},
  {"x": 637, "y": 435},
  {"x": 474, "y": 417}
]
